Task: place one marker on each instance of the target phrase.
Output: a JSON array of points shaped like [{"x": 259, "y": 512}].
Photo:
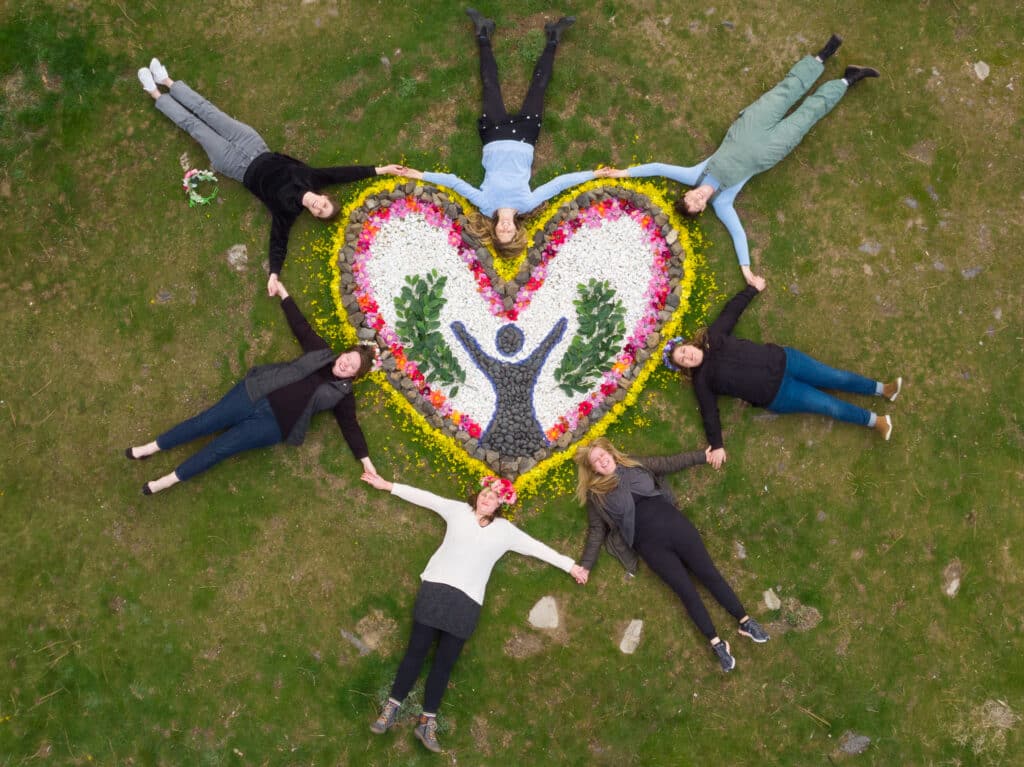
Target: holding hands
[
  {"x": 392, "y": 169},
  {"x": 716, "y": 457},
  {"x": 610, "y": 173},
  {"x": 754, "y": 280},
  {"x": 373, "y": 479},
  {"x": 276, "y": 288},
  {"x": 401, "y": 170},
  {"x": 581, "y": 574}
]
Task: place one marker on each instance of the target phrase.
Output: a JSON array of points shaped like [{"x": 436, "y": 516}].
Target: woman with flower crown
[{"x": 452, "y": 590}]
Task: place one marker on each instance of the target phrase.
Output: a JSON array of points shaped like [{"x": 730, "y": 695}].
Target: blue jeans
[
  {"x": 803, "y": 380},
  {"x": 248, "y": 425}
]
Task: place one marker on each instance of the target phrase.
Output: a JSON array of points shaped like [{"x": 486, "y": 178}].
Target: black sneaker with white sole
[
  {"x": 721, "y": 650},
  {"x": 752, "y": 630}
]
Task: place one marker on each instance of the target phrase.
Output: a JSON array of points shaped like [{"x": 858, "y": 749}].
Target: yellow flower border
[{"x": 526, "y": 484}]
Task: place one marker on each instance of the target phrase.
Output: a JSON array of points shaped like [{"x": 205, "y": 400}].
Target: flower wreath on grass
[
  {"x": 192, "y": 184},
  {"x": 508, "y": 364}
]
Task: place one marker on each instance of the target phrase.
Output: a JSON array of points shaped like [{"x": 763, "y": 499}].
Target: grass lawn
[{"x": 207, "y": 625}]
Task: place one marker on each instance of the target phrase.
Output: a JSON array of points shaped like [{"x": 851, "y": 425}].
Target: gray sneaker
[
  {"x": 426, "y": 731},
  {"x": 721, "y": 650},
  {"x": 752, "y": 629},
  {"x": 386, "y": 720}
]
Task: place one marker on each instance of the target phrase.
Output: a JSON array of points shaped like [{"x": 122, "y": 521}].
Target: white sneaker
[
  {"x": 146, "y": 78},
  {"x": 159, "y": 70}
]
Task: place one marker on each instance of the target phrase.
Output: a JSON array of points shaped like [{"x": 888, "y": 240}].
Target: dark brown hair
[
  {"x": 471, "y": 500},
  {"x": 685, "y": 212},
  {"x": 367, "y": 354}
]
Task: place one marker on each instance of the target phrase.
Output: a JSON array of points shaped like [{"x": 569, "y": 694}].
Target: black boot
[
  {"x": 830, "y": 47},
  {"x": 853, "y": 74},
  {"x": 554, "y": 30},
  {"x": 483, "y": 27}
]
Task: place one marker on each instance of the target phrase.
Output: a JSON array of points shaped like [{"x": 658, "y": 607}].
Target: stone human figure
[{"x": 514, "y": 429}]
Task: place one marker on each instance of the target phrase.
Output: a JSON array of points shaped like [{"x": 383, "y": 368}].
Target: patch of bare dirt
[
  {"x": 984, "y": 728},
  {"x": 378, "y": 631},
  {"x": 523, "y": 645},
  {"x": 796, "y": 616}
]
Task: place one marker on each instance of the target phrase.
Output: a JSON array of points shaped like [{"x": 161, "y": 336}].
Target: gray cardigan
[
  {"x": 602, "y": 529},
  {"x": 264, "y": 379}
]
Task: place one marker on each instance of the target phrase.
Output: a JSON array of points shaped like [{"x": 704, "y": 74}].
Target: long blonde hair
[
  {"x": 588, "y": 482},
  {"x": 482, "y": 228}
]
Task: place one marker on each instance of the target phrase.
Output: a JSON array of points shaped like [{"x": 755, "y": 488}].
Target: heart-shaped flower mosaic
[{"x": 514, "y": 368}]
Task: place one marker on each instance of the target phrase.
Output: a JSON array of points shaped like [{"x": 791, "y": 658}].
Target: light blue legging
[{"x": 800, "y": 391}]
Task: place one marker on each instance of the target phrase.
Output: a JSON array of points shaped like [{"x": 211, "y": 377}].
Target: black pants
[
  {"x": 496, "y": 124},
  {"x": 448, "y": 648},
  {"x": 671, "y": 546}
]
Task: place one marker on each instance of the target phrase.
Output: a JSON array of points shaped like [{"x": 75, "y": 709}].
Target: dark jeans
[
  {"x": 496, "y": 124},
  {"x": 671, "y": 546},
  {"x": 800, "y": 391},
  {"x": 448, "y": 648},
  {"x": 248, "y": 425}
]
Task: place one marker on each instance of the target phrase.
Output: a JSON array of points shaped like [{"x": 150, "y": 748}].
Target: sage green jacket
[{"x": 602, "y": 529}]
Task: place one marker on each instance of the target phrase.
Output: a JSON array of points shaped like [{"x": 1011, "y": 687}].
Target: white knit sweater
[{"x": 468, "y": 552}]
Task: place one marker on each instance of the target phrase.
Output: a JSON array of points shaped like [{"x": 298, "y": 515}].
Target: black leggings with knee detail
[
  {"x": 671, "y": 546},
  {"x": 448, "y": 648},
  {"x": 495, "y": 123}
]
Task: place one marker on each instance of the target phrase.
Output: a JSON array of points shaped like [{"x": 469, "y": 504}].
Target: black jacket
[
  {"x": 736, "y": 367},
  {"x": 280, "y": 181}
]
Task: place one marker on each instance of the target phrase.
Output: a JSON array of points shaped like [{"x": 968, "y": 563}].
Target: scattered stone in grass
[
  {"x": 771, "y": 600},
  {"x": 523, "y": 645},
  {"x": 376, "y": 629},
  {"x": 117, "y": 604},
  {"x": 910, "y": 202},
  {"x": 822, "y": 516},
  {"x": 951, "y": 576},
  {"x": 984, "y": 728},
  {"x": 932, "y": 193},
  {"x": 938, "y": 266},
  {"x": 971, "y": 272},
  {"x": 871, "y": 247},
  {"x": 184, "y": 162},
  {"x": 355, "y": 642},
  {"x": 867, "y": 269},
  {"x": 997, "y": 313},
  {"x": 852, "y": 743},
  {"x": 981, "y": 69},
  {"x": 794, "y": 289},
  {"x": 740, "y": 549},
  {"x": 728, "y": 24},
  {"x": 238, "y": 257},
  {"x": 631, "y": 637},
  {"x": 386, "y": 63},
  {"x": 164, "y": 296},
  {"x": 544, "y": 614}
]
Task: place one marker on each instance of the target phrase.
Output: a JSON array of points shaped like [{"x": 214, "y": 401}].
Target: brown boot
[
  {"x": 892, "y": 390},
  {"x": 883, "y": 425}
]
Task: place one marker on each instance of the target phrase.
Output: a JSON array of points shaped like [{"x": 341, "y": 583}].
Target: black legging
[
  {"x": 496, "y": 123},
  {"x": 448, "y": 648},
  {"x": 671, "y": 546}
]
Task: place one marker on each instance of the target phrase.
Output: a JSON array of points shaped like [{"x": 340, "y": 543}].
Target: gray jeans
[{"x": 231, "y": 145}]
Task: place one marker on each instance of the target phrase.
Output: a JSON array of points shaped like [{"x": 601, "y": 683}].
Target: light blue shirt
[
  {"x": 507, "y": 170},
  {"x": 722, "y": 202}
]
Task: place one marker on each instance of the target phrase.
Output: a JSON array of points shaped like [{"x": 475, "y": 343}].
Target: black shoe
[
  {"x": 146, "y": 490},
  {"x": 554, "y": 30},
  {"x": 853, "y": 74},
  {"x": 830, "y": 47},
  {"x": 752, "y": 629},
  {"x": 132, "y": 457},
  {"x": 483, "y": 27},
  {"x": 725, "y": 658}
]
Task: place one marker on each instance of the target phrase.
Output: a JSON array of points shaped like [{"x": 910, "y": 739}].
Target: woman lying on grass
[
  {"x": 274, "y": 403},
  {"x": 634, "y": 513},
  {"x": 452, "y": 590},
  {"x": 508, "y": 142},
  {"x": 778, "y": 378},
  {"x": 282, "y": 183}
]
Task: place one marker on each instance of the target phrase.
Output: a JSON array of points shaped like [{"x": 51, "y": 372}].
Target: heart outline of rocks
[{"x": 568, "y": 207}]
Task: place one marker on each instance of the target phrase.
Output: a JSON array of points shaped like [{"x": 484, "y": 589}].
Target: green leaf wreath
[
  {"x": 601, "y": 319},
  {"x": 418, "y": 308}
]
